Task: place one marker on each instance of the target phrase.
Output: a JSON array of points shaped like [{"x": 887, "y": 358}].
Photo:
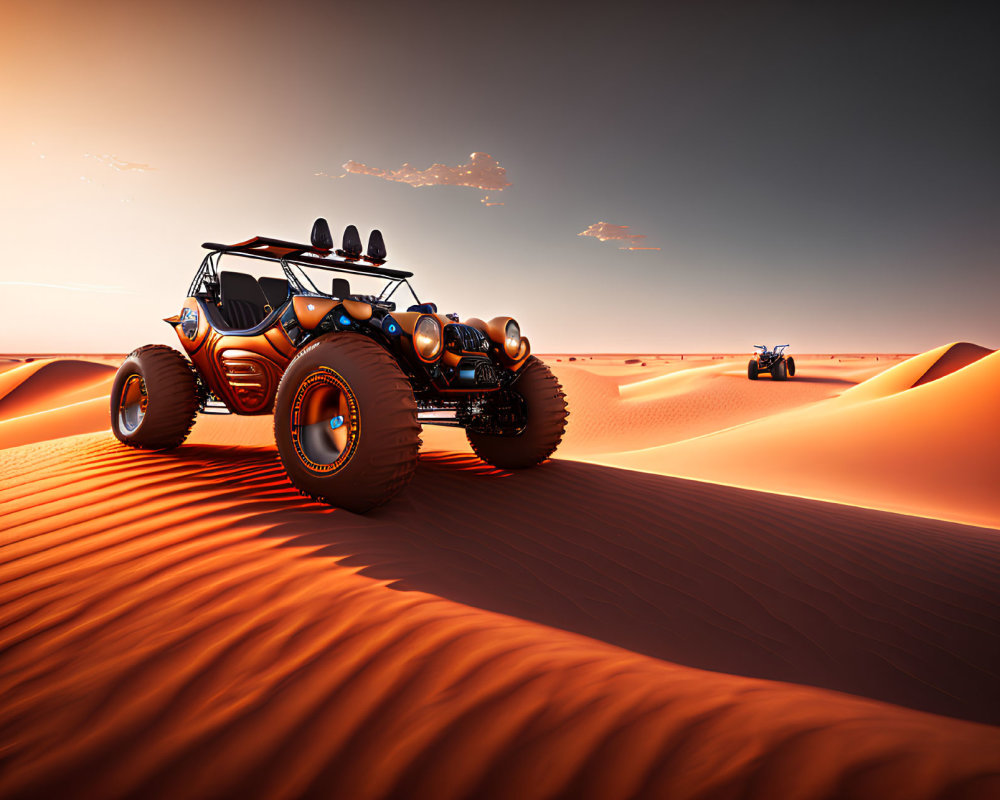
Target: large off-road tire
[
  {"x": 779, "y": 372},
  {"x": 790, "y": 361},
  {"x": 752, "y": 369},
  {"x": 546, "y": 421},
  {"x": 154, "y": 399},
  {"x": 345, "y": 423}
]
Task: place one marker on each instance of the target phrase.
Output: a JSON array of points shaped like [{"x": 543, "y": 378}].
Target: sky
[{"x": 823, "y": 174}]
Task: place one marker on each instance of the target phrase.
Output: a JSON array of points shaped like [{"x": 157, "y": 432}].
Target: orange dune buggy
[{"x": 348, "y": 377}]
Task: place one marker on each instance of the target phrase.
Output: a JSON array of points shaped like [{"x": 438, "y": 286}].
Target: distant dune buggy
[
  {"x": 348, "y": 378},
  {"x": 773, "y": 361}
]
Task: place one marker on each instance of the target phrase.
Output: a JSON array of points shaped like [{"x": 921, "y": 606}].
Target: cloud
[
  {"x": 72, "y": 287},
  {"x": 118, "y": 164},
  {"x": 482, "y": 172},
  {"x": 606, "y": 232}
]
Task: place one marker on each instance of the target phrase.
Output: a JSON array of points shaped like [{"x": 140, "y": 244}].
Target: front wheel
[
  {"x": 752, "y": 369},
  {"x": 345, "y": 423},
  {"x": 791, "y": 366},
  {"x": 154, "y": 399},
  {"x": 779, "y": 372},
  {"x": 545, "y": 422}
]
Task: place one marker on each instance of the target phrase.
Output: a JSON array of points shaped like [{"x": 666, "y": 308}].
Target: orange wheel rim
[{"x": 325, "y": 421}]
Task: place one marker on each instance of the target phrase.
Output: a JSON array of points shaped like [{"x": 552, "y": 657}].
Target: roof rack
[{"x": 306, "y": 255}]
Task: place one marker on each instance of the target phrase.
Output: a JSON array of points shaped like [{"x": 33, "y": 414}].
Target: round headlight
[
  {"x": 512, "y": 339},
  {"x": 427, "y": 338}
]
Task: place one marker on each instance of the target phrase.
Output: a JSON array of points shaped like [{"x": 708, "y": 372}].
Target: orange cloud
[
  {"x": 606, "y": 232},
  {"x": 482, "y": 172},
  {"x": 118, "y": 164}
]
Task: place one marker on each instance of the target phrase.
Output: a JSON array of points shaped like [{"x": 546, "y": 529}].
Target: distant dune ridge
[
  {"x": 185, "y": 624},
  {"x": 47, "y": 399},
  {"x": 899, "y": 441}
]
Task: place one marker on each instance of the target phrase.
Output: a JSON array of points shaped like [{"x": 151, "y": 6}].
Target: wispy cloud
[
  {"x": 72, "y": 287},
  {"x": 606, "y": 232},
  {"x": 119, "y": 164},
  {"x": 483, "y": 172}
]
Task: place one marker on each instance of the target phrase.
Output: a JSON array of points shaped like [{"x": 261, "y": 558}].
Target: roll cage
[
  {"x": 779, "y": 349},
  {"x": 293, "y": 258}
]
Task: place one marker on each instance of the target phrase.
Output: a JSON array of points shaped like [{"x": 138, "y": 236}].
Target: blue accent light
[
  {"x": 466, "y": 374},
  {"x": 336, "y": 422},
  {"x": 393, "y": 327},
  {"x": 344, "y": 320}
]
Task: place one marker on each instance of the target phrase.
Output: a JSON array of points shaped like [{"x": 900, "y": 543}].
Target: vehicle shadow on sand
[{"x": 897, "y": 608}]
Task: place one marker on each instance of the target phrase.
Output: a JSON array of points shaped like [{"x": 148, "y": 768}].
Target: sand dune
[
  {"x": 933, "y": 449},
  {"x": 185, "y": 624},
  {"x": 43, "y": 384},
  {"x": 83, "y": 416},
  {"x": 48, "y": 399},
  {"x": 920, "y": 369},
  {"x": 606, "y": 416}
]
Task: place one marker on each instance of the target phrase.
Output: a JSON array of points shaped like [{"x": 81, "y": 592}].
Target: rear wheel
[
  {"x": 545, "y": 421},
  {"x": 154, "y": 399},
  {"x": 752, "y": 369},
  {"x": 791, "y": 366},
  {"x": 779, "y": 372},
  {"x": 345, "y": 423}
]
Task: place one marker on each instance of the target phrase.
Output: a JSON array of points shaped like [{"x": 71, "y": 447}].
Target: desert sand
[{"x": 185, "y": 624}]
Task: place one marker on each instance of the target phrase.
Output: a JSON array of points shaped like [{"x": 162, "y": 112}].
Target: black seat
[
  {"x": 376, "y": 247},
  {"x": 275, "y": 291},
  {"x": 321, "y": 238},
  {"x": 243, "y": 300},
  {"x": 340, "y": 288},
  {"x": 351, "y": 248}
]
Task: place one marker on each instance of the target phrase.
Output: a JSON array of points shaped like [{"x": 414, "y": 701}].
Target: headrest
[
  {"x": 352, "y": 243},
  {"x": 341, "y": 288},
  {"x": 424, "y": 308},
  {"x": 376, "y": 247},
  {"x": 321, "y": 237}
]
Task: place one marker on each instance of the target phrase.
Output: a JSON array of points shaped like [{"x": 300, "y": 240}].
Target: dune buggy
[
  {"x": 348, "y": 377},
  {"x": 773, "y": 361}
]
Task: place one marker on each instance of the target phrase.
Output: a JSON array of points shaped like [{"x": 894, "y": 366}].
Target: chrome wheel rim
[{"x": 132, "y": 404}]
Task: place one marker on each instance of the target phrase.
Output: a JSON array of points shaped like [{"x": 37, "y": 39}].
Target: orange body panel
[
  {"x": 310, "y": 310},
  {"x": 242, "y": 371},
  {"x": 358, "y": 310}
]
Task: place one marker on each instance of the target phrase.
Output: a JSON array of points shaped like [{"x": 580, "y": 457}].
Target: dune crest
[{"x": 918, "y": 370}]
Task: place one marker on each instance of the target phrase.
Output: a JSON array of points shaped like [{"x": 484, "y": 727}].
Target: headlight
[
  {"x": 512, "y": 339},
  {"x": 427, "y": 338}
]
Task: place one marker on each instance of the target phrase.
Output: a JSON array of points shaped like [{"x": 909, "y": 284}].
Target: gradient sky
[{"x": 819, "y": 174}]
